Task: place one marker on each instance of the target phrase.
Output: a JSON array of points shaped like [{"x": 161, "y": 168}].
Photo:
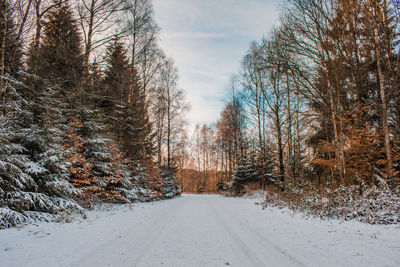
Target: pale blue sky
[{"x": 207, "y": 40}]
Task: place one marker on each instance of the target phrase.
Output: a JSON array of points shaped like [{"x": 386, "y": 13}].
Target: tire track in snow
[
  {"x": 122, "y": 241},
  {"x": 156, "y": 235},
  {"x": 241, "y": 231},
  {"x": 238, "y": 243},
  {"x": 266, "y": 241}
]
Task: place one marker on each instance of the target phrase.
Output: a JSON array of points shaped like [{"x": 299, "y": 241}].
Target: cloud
[
  {"x": 207, "y": 39},
  {"x": 193, "y": 35}
]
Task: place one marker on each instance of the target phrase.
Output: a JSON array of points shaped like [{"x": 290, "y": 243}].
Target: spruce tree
[
  {"x": 60, "y": 55},
  {"x": 13, "y": 46},
  {"x": 115, "y": 87},
  {"x": 137, "y": 132},
  {"x": 125, "y": 103},
  {"x": 117, "y": 75},
  {"x": 245, "y": 172}
]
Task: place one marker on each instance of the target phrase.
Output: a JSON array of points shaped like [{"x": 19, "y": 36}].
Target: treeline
[
  {"x": 318, "y": 105},
  {"x": 91, "y": 109},
  {"x": 216, "y": 150}
]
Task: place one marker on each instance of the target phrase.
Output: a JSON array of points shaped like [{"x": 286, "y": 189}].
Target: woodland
[
  {"x": 314, "y": 115},
  {"x": 92, "y": 112}
]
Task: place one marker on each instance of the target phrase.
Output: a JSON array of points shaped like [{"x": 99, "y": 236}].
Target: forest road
[
  {"x": 193, "y": 230},
  {"x": 200, "y": 230}
]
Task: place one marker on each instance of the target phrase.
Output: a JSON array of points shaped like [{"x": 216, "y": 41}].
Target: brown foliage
[
  {"x": 363, "y": 149},
  {"x": 81, "y": 171}
]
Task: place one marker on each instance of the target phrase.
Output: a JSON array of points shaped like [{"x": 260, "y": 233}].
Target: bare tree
[
  {"x": 142, "y": 35},
  {"x": 97, "y": 20},
  {"x": 273, "y": 94},
  {"x": 172, "y": 110}
]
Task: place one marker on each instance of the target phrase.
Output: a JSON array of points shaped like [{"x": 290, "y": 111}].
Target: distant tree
[
  {"x": 171, "y": 109},
  {"x": 245, "y": 172},
  {"x": 141, "y": 34},
  {"x": 231, "y": 132}
]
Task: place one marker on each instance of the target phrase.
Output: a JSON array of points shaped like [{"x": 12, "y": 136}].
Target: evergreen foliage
[
  {"x": 137, "y": 131},
  {"x": 13, "y": 49},
  {"x": 251, "y": 169},
  {"x": 60, "y": 52},
  {"x": 125, "y": 104}
]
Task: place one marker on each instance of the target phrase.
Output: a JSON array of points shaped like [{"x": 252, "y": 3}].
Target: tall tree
[
  {"x": 98, "y": 20},
  {"x": 231, "y": 131},
  {"x": 142, "y": 34},
  {"x": 12, "y": 44},
  {"x": 137, "y": 131},
  {"x": 117, "y": 74},
  {"x": 172, "y": 108},
  {"x": 3, "y": 33},
  {"x": 60, "y": 51}
]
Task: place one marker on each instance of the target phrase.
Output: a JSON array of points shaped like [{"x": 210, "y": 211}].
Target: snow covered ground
[{"x": 200, "y": 230}]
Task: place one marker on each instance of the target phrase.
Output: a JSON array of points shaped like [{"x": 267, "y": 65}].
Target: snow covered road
[{"x": 200, "y": 230}]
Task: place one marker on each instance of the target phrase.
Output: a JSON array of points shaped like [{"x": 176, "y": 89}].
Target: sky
[{"x": 207, "y": 39}]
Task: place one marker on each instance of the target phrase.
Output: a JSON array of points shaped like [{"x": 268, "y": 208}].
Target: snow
[
  {"x": 200, "y": 230},
  {"x": 34, "y": 168}
]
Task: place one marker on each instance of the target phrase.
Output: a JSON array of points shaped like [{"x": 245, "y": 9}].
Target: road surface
[{"x": 199, "y": 230}]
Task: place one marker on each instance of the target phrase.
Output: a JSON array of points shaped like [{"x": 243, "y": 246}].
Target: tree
[
  {"x": 41, "y": 9},
  {"x": 137, "y": 130},
  {"x": 13, "y": 46},
  {"x": 3, "y": 33},
  {"x": 96, "y": 19},
  {"x": 117, "y": 75},
  {"x": 60, "y": 52},
  {"x": 245, "y": 172},
  {"x": 253, "y": 84},
  {"x": 304, "y": 30},
  {"x": 383, "y": 52},
  {"x": 171, "y": 110},
  {"x": 142, "y": 34},
  {"x": 10, "y": 44},
  {"x": 231, "y": 131}
]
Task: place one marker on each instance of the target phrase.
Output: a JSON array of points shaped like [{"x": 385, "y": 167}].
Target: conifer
[
  {"x": 13, "y": 46},
  {"x": 60, "y": 55},
  {"x": 137, "y": 134}
]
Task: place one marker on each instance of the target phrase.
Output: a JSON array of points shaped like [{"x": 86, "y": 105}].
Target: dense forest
[
  {"x": 314, "y": 115},
  {"x": 91, "y": 109}
]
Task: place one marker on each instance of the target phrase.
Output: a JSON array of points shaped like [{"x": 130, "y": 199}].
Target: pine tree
[
  {"x": 246, "y": 171},
  {"x": 60, "y": 55},
  {"x": 117, "y": 75},
  {"x": 115, "y": 87},
  {"x": 137, "y": 131},
  {"x": 13, "y": 46},
  {"x": 125, "y": 103}
]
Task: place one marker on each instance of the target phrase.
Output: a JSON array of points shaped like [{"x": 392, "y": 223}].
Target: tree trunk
[
  {"x": 3, "y": 27},
  {"x": 289, "y": 130},
  {"x": 168, "y": 129},
  {"x": 384, "y": 103},
  {"x": 36, "y": 41},
  {"x": 280, "y": 153},
  {"x": 88, "y": 46},
  {"x": 335, "y": 126}
]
